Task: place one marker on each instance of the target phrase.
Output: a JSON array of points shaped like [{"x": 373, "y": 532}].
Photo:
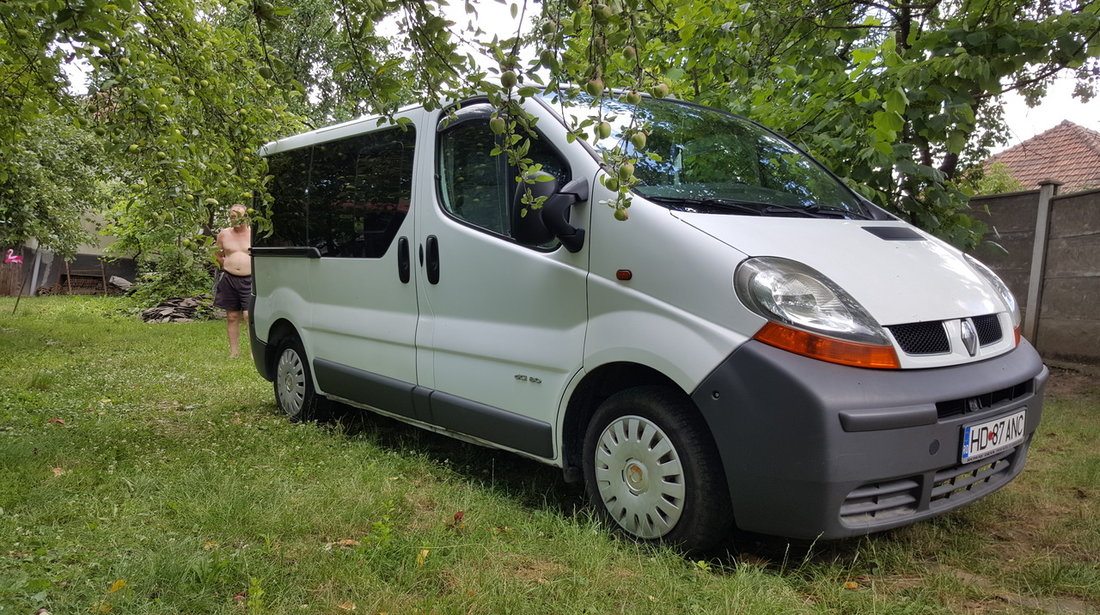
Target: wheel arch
[
  {"x": 593, "y": 389},
  {"x": 280, "y": 330}
]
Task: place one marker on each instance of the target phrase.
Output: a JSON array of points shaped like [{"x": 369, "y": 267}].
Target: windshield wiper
[
  {"x": 837, "y": 212},
  {"x": 757, "y": 207},
  {"x": 746, "y": 207}
]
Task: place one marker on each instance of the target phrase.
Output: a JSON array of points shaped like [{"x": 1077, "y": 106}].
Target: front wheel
[
  {"x": 651, "y": 468},
  {"x": 294, "y": 393}
]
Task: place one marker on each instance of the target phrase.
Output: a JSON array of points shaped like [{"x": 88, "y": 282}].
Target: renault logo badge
[{"x": 969, "y": 336}]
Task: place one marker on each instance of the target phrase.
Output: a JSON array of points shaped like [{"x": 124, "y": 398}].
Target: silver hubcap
[
  {"x": 640, "y": 477},
  {"x": 290, "y": 375}
]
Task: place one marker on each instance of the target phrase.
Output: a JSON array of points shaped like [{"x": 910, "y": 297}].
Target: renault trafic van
[{"x": 755, "y": 346}]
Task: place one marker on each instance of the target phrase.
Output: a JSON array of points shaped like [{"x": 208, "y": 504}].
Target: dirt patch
[
  {"x": 1068, "y": 381},
  {"x": 1052, "y": 604},
  {"x": 533, "y": 570}
]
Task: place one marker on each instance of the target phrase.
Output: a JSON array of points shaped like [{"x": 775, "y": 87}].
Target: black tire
[
  {"x": 652, "y": 471},
  {"x": 294, "y": 392}
]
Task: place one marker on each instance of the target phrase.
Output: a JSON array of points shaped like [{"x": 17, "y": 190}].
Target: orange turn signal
[
  {"x": 827, "y": 348},
  {"x": 1016, "y": 332}
]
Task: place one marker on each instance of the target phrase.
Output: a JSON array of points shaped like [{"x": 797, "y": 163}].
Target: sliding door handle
[
  {"x": 404, "y": 263},
  {"x": 432, "y": 258}
]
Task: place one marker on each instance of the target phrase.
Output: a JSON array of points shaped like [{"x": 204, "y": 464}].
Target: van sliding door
[{"x": 363, "y": 294}]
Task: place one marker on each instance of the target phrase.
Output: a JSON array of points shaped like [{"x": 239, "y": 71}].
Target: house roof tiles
[{"x": 1068, "y": 153}]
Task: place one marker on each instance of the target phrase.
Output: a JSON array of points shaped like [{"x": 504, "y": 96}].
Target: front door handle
[
  {"x": 404, "y": 264},
  {"x": 432, "y": 259}
]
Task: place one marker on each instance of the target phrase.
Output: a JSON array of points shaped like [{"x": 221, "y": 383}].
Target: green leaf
[
  {"x": 956, "y": 141},
  {"x": 888, "y": 121},
  {"x": 896, "y": 101},
  {"x": 864, "y": 55},
  {"x": 1008, "y": 43}
]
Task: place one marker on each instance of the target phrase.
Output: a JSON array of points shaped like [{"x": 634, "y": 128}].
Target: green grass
[{"x": 138, "y": 458}]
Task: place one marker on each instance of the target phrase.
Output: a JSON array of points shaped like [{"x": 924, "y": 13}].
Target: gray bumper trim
[
  {"x": 797, "y": 436},
  {"x": 888, "y": 418}
]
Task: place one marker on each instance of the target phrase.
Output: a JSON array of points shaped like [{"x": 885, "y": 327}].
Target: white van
[{"x": 756, "y": 346}]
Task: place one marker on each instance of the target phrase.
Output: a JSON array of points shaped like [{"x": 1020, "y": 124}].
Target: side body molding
[{"x": 443, "y": 410}]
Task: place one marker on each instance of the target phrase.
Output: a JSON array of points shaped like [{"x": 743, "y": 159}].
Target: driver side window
[{"x": 476, "y": 187}]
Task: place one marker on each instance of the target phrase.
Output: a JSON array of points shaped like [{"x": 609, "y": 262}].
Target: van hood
[{"x": 897, "y": 272}]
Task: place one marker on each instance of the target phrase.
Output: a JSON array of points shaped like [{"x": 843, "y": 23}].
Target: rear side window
[
  {"x": 290, "y": 176},
  {"x": 357, "y": 194}
]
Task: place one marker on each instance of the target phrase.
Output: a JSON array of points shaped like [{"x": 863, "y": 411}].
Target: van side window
[
  {"x": 290, "y": 171},
  {"x": 359, "y": 193},
  {"x": 476, "y": 187}
]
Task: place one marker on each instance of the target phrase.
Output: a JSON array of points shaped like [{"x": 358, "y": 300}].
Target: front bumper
[{"x": 813, "y": 449}]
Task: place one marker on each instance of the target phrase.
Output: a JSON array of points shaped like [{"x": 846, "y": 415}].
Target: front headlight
[
  {"x": 1002, "y": 289},
  {"x": 810, "y": 315}
]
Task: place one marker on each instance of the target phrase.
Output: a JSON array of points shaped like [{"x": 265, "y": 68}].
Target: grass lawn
[{"x": 142, "y": 471}]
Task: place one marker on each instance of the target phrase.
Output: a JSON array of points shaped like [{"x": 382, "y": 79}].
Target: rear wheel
[
  {"x": 652, "y": 471},
  {"x": 294, "y": 393}
]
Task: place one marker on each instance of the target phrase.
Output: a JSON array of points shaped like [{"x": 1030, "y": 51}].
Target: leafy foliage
[
  {"x": 54, "y": 183},
  {"x": 899, "y": 98},
  {"x": 174, "y": 273},
  {"x": 183, "y": 104},
  {"x": 998, "y": 179}
]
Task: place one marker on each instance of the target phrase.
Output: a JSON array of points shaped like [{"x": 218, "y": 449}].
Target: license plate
[{"x": 991, "y": 437}]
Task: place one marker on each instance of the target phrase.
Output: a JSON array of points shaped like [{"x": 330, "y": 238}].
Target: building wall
[{"x": 51, "y": 268}]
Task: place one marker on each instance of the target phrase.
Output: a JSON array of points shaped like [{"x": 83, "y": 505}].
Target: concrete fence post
[{"x": 1047, "y": 189}]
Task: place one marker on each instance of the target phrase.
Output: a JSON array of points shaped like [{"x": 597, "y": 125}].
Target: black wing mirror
[{"x": 534, "y": 227}]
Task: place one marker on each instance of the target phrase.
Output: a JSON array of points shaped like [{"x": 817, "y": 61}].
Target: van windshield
[{"x": 704, "y": 160}]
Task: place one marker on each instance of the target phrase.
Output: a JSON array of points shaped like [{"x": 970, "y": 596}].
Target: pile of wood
[{"x": 178, "y": 309}]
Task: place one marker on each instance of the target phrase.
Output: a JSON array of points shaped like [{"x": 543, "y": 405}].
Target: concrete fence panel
[
  {"x": 1051, "y": 261},
  {"x": 1069, "y": 320},
  {"x": 1010, "y": 235}
]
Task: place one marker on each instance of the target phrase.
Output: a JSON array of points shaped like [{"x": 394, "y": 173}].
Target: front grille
[
  {"x": 886, "y": 501},
  {"x": 880, "y": 501},
  {"x": 989, "y": 329},
  {"x": 955, "y": 407},
  {"x": 955, "y": 483},
  {"x": 921, "y": 337}
]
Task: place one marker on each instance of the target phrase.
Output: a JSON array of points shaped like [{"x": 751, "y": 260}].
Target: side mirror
[
  {"x": 532, "y": 227},
  {"x": 527, "y": 225}
]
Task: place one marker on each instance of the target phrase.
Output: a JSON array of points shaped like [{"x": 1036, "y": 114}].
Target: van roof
[{"x": 361, "y": 124}]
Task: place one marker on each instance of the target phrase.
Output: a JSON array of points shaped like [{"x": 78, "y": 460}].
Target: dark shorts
[{"x": 232, "y": 291}]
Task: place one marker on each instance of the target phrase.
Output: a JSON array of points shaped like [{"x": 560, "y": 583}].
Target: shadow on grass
[
  {"x": 533, "y": 484},
  {"x": 539, "y": 486}
]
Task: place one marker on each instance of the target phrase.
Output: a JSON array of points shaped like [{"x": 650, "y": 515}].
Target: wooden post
[{"x": 1047, "y": 189}]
